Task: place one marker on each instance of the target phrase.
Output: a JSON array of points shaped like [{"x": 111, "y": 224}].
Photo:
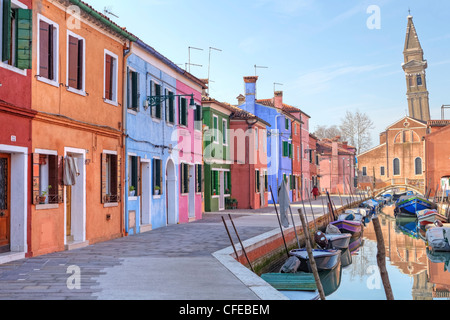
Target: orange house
[{"x": 77, "y": 141}]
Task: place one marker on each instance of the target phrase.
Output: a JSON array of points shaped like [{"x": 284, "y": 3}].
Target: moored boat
[
  {"x": 325, "y": 259},
  {"x": 438, "y": 238},
  {"x": 410, "y": 205},
  {"x": 350, "y": 223},
  {"x": 427, "y": 216},
  {"x": 338, "y": 241}
]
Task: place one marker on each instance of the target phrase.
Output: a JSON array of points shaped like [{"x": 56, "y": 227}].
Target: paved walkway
[{"x": 172, "y": 263}]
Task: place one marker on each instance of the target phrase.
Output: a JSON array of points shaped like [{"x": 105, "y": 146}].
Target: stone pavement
[{"x": 172, "y": 263}]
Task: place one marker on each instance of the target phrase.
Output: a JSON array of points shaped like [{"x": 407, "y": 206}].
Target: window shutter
[
  {"x": 154, "y": 174},
  {"x": 113, "y": 187},
  {"x": 24, "y": 36},
  {"x": 80, "y": 64},
  {"x": 6, "y": 36},
  {"x": 53, "y": 179},
  {"x": 134, "y": 90},
  {"x": 290, "y": 150},
  {"x": 171, "y": 108},
  {"x": 44, "y": 40},
  {"x": 108, "y": 77},
  {"x": 152, "y": 93},
  {"x": 60, "y": 179},
  {"x": 104, "y": 173},
  {"x": 35, "y": 192},
  {"x": 182, "y": 178},
  {"x": 119, "y": 177},
  {"x": 138, "y": 178},
  {"x": 73, "y": 62},
  {"x": 51, "y": 71}
]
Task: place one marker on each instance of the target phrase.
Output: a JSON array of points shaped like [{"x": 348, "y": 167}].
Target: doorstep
[
  {"x": 11, "y": 256},
  {"x": 76, "y": 245}
]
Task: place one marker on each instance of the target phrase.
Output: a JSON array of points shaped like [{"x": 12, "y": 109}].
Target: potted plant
[
  {"x": 157, "y": 190},
  {"x": 43, "y": 196},
  {"x": 132, "y": 191}
]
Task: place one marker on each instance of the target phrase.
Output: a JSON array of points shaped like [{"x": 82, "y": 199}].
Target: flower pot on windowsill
[
  {"x": 157, "y": 192},
  {"x": 132, "y": 193},
  {"x": 42, "y": 199}
]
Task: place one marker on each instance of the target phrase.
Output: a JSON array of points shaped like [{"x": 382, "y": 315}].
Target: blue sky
[{"x": 322, "y": 51}]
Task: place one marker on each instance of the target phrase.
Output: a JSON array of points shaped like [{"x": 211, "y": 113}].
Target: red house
[
  {"x": 15, "y": 124},
  {"x": 249, "y": 176}
]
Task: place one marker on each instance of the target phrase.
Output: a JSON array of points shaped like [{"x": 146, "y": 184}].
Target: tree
[
  {"x": 327, "y": 132},
  {"x": 355, "y": 128}
]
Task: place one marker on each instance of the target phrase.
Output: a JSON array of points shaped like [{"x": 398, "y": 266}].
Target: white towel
[{"x": 283, "y": 199}]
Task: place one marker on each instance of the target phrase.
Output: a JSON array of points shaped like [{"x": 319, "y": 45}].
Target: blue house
[
  {"x": 279, "y": 140},
  {"x": 150, "y": 170}
]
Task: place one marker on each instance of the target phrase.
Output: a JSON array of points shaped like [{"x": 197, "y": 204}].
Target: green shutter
[
  {"x": 290, "y": 150},
  {"x": 134, "y": 90},
  {"x": 24, "y": 36},
  {"x": 6, "y": 36}
]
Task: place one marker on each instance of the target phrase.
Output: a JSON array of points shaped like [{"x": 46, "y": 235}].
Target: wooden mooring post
[
  {"x": 381, "y": 258},
  {"x": 312, "y": 261}
]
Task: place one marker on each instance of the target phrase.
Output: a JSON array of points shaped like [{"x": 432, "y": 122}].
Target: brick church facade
[{"x": 400, "y": 156}]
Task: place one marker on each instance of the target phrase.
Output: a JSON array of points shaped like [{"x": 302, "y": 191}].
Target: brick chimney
[
  {"x": 241, "y": 99},
  {"x": 278, "y": 99}
]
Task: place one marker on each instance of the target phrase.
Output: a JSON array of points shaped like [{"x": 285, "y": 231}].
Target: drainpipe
[{"x": 127, "y": 54}]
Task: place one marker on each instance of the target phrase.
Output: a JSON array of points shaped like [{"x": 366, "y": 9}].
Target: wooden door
[{"x": 5, "y": 202}]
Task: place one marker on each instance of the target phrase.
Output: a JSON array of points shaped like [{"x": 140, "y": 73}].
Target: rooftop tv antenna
[
  {"x": 259, "y": 67},
  {"x": 275, "y": 84},
  {"x": 209, "y": 64},
  {"x": 108, "y": 11},
  {"x": 189, "y": 63}
]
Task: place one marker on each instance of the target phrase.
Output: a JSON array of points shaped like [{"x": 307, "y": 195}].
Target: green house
[{"x": 216, "y": 154}]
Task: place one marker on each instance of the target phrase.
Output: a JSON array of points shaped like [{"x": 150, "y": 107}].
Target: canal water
[{"x": 415, "y": 273}]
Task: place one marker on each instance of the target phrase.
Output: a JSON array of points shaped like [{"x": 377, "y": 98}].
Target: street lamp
[{"x": 156, "y": 100}]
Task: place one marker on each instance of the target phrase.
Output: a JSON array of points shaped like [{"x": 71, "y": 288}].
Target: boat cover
[
  {"x": 438, "y": 238},
  {"x": 331, "y": 229},
  {"x": 291, "y": 265}
]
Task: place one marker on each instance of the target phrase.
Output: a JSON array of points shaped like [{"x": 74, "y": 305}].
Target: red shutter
[
  {"x": 73, "y": 62},
  {"x": 60, "y": 179},
  {"x": 108, "y": 77},
  {"x": 44, "y": 49},
  {"x": 80, "y": 64},
  {"x": 103, "y": 178},
  {"x": 35, "y": 192},
  {"x": 53, "y": 179},
  {"x": 50, "y": 53}
]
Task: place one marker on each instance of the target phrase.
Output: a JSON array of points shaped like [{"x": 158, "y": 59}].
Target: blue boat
[{"x": 410, "y": 205}]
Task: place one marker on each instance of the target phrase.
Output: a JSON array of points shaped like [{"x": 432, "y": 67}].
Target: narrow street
[{"x": 172, "y": 263}]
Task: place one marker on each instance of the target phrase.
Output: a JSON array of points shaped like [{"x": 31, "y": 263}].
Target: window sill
[
  {"x": 53, "y": 83},
  {"x": 13, "y": 69},
  {"x": 111, "y": 205},
  {"x": 155, "y": 119},
  {"x": 132, "y": 111},
  {"x": 113, "y": 103},
  {"x": 76, "y": 91},
  {"x": 156, "y": 197},
  {"x": 132, "y": 198},
  {"x": 47, "y": 206}
]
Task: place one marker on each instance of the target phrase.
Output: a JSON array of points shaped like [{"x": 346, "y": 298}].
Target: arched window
[
  {"x": 418, "y": 166},
  {"x": 396, "y": 167}
]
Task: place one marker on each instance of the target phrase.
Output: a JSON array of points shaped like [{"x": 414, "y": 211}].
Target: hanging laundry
[{"x": 71, "y": 171}]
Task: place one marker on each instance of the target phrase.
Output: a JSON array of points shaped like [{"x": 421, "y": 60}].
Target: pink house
[
  {"x": 190, "y": 151},
  {"x": 337, "y": 166}
]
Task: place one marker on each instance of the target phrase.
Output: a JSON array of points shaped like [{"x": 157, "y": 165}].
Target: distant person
[{"x": 315, "y": 191}]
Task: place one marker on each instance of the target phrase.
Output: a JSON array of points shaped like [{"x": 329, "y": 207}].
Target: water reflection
[{"x": 415, "y": 272}]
